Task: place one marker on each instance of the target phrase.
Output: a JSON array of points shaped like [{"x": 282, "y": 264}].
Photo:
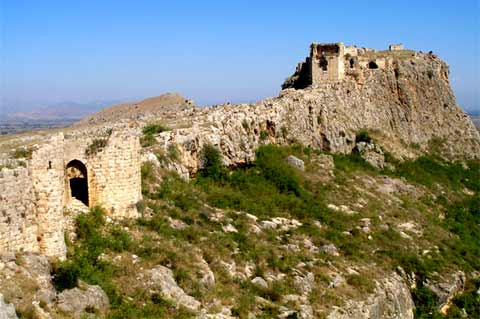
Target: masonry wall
[
  {"x": 33, "y": 201},
  {"x": 18, "y": 227},
  {"x": 48, "y": 170},
  {"x": 114, "y": 175},
  {"x": 335, "y": 69}
]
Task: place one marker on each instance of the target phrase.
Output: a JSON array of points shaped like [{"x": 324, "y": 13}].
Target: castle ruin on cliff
[{"x": 333, "y": 62}]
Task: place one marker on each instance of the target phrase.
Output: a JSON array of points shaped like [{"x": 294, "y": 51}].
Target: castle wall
[
  {"x": 18, "y": 228},
  {"x": 395, "y": 47},
  {"x": 114, "y": 175},
  {"x": 47, "y": 169},
  {"x": 333, "y": 69},
  {"x": 32, "y": 201}
]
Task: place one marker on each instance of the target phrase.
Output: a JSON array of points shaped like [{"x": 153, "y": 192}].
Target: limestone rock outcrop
[
  {"x": 7, "y": 311},
  {"x": 391, "y": 300},
  {"x": 86, "y": 298},
  {"x": 162, "y": 278}
]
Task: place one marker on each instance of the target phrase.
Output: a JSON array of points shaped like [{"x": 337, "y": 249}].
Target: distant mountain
[
  {"x": 165, "y": 103},
  {"x": 66, "y": 110},
  {"x": 476, "y": 121},
  {"x": 17, "y": 117}
]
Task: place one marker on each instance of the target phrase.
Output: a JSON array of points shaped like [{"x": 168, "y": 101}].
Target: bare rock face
[
  {"x": 371, "y": 153},
  {"x": 87, "y": 298},
  {"x": 162, "y": 279},
  {"x": 447, "y": 289},
  {"x": 296, "y": 162},
  {"x": 391, "y": 300},
  {"x": 7, "y": 311}
]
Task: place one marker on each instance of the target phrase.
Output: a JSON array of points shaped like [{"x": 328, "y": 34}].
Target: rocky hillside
[
  {"x": 298, "y": 234},
  {"x": 155, "y": 106}
]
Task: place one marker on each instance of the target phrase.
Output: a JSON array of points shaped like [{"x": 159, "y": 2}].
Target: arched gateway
[{"x": 77, "y": 182}]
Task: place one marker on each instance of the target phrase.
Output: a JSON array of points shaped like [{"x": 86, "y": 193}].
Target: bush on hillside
[{"x": 212, "y": 166}]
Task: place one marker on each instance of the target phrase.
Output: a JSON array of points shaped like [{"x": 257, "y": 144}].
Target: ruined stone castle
[
  {"x": 332, "y": 62},
  {"x": 66, "y": 175}
]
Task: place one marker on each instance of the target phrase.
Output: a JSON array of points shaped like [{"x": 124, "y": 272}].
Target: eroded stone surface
[
  {"x": 86, "y": 298},
  {"x": 391, "y": 300},
  {"x": 162, "y": 278}
]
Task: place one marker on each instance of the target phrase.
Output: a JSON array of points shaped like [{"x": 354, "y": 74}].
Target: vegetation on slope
[{"x": 219, "y": 198}]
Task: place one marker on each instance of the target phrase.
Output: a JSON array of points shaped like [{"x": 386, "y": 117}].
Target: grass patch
[
  {"x": 149, "y": 132},
  {"x": 96, "y": 146},
  {"x": 23, "y": 153},
  {"x": 363, "y": 136},
  {"x": 429, "y": 170}
]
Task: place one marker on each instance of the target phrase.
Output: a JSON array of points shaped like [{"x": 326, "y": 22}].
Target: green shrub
[
  {"x": 147, "y": 140},
  {"x": 83, "y": 263},
  {"x": 212, "y": 166},
  {"x": 181, "y": 193},
  {"x": 463, "y": 219},
  {"x": 270, "y": 160},
  {"x": 96, "y": 146},
  {"x": 363, "y": 136},
  {"x": 153, "y": 129},
  {"x": 361, "y": 282},
  {"x": 148, "y": 177},
  {"x": 263, "y": 135},
  {"x": 425, "y": 303},
  {"x": 351, "y": 162},
  {"x": 469, "y": 300},
  {"x": 429, "y": 170},
  {"x": 172, "y": 152},
  {"x": 149, "y": 131},
  {"x": 23, "y": 153},
  {"x": 245, "y": 124}
]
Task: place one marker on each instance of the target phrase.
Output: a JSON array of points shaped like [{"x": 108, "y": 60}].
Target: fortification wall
[
  {"x": 33, "y": 201},
  {"x": 18, "y": 227},
  {"x": 115, "y": 175},
  {"x": 48, "y": 176}
]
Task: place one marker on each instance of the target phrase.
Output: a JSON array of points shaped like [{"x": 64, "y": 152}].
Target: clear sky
[{"x": 212, "y": 51}]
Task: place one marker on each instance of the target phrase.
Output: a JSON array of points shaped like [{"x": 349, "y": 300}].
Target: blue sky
[{"x": 212, "y": 51}]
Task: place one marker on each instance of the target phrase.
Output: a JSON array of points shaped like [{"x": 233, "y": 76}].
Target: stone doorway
[{"x": 77, "y": 182}]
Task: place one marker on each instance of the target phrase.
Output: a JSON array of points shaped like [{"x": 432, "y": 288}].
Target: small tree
[{"x": 212, "y": 163}]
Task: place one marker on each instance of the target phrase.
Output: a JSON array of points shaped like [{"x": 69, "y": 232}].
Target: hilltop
[{"x": 153, "y": 106}]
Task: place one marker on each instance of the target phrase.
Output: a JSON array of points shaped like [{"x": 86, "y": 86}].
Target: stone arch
[{"x": 77, "y": 182}]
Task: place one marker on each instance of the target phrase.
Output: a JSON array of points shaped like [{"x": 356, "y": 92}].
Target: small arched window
[
  {"x": 323, "y": 63},
  {"x": 372, "y": 65}
]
